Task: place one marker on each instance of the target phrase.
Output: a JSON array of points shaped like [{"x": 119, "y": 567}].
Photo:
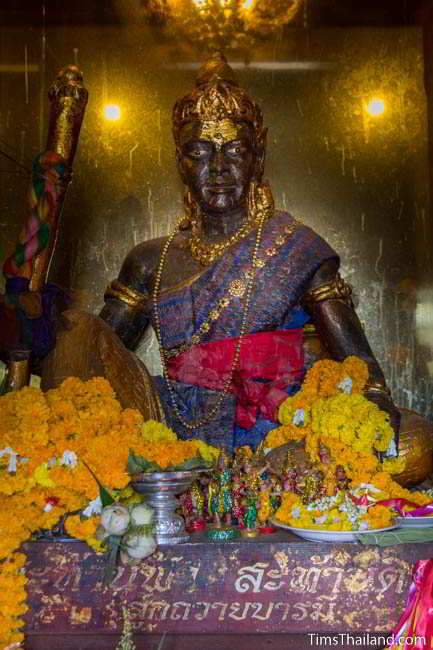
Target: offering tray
[
  {"x": 316, "y": 535},
  {"x": 414, "y": 522}
]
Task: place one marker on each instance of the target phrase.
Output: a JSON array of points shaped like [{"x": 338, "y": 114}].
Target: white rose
[
  {"x": 115, "y": 519},
  {"x": 139, "y": 546},
  {"x": 141, "y": 515}
]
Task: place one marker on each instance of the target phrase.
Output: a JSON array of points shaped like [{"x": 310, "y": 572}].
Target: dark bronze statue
[
  {"x": 228, "y": 293},
  {"x": 230, "y": 223}
]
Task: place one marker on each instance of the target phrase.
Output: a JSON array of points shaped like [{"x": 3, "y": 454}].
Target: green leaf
[
  {"x": 138, "y": 464},
  {"x": 133, "y": 466},
  {"x": 192, "y": 463},
  {"x": 398, "y": 536},
  {"x": 113, "y": 543},
  {"x": 105, "y": 496},
  {"x": 144, "y": 529}
]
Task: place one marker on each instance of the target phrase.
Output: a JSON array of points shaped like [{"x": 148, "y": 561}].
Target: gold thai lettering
[
  {"x": 194, "y": 571},
  {"x": 159, "y": 574},
  {"x": 69, "y": 578},
  {"x": 147, "y": 571},
  {"x": 285, "y": 607},
  {"x": 245, "y": 582},
  {"x": 175, "y": 616},
  {"x": 234, "y": 609},
  {"x": 205, "y": 611},
  {"x": 120, "y": 570},
  {"x": 303, "y": 612},
  {"x": 223, "y": 609},
  {"x": 318, "y": 559},
  {"x": 124, "y": 579},
  {"x": 80, "y": 615},
  {"x": 358, "y": 581},
  {"x": 258, "y": 607},
  {"x": 390, "y": 576},
  {"x": 339, "y": 575},
  {"x": 404, "y": 570},
  {"x": 282, "y": 560},
  {"x": 46, "y": 615},
  {"x": 158, "y": 606},
  {"x": 36, "y": 573},
  {"x": 137, "y": 609},
  {"x": 273, "y": 586},
  {"x": 305, "y": 580},
  {"x": 111, "y": 614},
  {"x": 318, "y": 607}
]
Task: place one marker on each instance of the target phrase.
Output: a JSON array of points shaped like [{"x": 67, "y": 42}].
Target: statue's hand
[
  {"x": 31, "y": 303},
  {"x": 385, "y": 403}
]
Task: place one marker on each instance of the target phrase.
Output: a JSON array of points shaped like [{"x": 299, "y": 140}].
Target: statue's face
[{"x": 217, "y": 161}]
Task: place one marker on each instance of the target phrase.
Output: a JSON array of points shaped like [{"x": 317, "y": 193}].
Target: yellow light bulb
[
  {"x": 112, "y": 112},
  {"x": 376, "y": 107},
  {"x": 247, "y": 4}
]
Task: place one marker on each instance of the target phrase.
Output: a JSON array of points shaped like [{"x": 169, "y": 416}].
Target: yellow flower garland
[
  {"x": 348, "y": 425},
  {"x": 351, "y": 428}
]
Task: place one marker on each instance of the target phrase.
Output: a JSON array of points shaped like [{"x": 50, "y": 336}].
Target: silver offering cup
[{"x": 159, "y": 489}]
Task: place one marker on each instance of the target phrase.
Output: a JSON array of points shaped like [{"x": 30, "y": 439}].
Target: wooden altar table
[{"x": 270, "y": 592}]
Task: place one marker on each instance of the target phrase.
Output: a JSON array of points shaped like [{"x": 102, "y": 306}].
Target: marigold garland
[{"x": 45, "y": 438}]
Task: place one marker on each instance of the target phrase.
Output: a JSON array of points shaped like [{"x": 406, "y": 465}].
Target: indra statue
[{"x": 228, "y": 292}]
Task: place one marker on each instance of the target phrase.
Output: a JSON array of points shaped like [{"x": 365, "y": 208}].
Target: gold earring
[
  {"x": 251, "y": 201},
  {"x": 191, "y": 212},
  {"x": 260, "y": 201}
]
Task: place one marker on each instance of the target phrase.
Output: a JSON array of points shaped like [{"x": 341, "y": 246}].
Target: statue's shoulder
[
  {"x": 284, "y": 219},
  {"x": 305, "y": 236},
  {"x": 141, "y": 263}
]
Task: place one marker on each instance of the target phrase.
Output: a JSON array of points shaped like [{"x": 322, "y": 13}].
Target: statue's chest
[
  {"x": 180, "y": 268},
  {"x": 228, "y": 300}
]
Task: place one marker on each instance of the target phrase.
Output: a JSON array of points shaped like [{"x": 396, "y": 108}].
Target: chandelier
[{"x": 226, "y": 24}]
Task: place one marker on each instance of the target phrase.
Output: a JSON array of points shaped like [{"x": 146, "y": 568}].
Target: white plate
[
  {"x": 414, "y": 522},
  {"x": 329, "y": 535}
]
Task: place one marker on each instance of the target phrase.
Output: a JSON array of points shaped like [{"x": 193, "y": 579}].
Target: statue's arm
[
  {"x": 125, "y": 300},
  {"x": 328, "y": 301}
]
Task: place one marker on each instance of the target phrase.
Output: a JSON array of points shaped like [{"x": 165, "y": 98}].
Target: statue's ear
[{"x": 260, "y": 155}]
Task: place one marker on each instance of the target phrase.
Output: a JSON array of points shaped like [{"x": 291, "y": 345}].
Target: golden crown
[{"x": 216, "y": 96}]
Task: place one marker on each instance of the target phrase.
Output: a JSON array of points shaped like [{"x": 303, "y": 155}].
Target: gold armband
[
  {"x": 376, "y": 387},
  {"x": 338, "y": 289},
  {"x": 134, "y": 299}
]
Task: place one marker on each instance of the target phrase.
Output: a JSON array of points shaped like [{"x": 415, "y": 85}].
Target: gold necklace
[
  {"x": 208, "y": 253},
  {"x": 196, "y": 425}
]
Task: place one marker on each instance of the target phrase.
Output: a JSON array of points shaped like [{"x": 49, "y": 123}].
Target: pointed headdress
[{"x": 217, "y": 96}]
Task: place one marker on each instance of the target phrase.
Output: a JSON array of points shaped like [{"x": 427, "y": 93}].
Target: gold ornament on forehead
[
  {"x": 217, "y": 97},
  {"x": 219, "y": 131}
]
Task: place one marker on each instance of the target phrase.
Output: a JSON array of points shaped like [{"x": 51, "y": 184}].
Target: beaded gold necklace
[
  {"x": 206, "y": 253},
  {"x": 263, "y": 217}
]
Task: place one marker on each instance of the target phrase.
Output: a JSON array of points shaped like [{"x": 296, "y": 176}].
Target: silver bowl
[{"x": 159, "y": 489}]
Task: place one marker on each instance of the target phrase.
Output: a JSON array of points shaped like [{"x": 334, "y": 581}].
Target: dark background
[{"x": 361, "y": 182}]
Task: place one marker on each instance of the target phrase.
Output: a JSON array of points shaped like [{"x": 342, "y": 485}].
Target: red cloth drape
[{"x": 269, "y": 362}]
